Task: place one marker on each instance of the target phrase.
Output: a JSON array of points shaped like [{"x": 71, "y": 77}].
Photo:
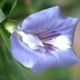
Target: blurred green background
[{"x": 27, "y": 7}]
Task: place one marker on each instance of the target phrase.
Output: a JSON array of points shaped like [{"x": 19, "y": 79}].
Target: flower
[{"x": 44, "y": 40}]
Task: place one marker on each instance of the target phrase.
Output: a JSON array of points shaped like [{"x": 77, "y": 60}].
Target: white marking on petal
[
  {"x": 62, "y": 42},
  {"x": 31, "y": 40}
]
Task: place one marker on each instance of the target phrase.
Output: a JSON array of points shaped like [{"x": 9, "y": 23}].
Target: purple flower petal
[{"x": 39, "y": 61}]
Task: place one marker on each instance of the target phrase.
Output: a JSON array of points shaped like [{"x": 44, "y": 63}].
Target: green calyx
[{"x": 10, "y": 26}]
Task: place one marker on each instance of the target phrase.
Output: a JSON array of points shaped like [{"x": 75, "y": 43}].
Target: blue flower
[{"x": 44, "y": 40}]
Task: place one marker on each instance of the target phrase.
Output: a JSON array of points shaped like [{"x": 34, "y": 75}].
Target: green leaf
[
  {"x": 2, "y": 3},
  {"x": 5, "y": 38},
  {"x": 14, "y": 4},
  {"x": 2, "y": 16}
]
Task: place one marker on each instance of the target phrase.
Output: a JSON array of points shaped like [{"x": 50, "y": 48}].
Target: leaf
[
  {"x": 2, "y": 3},
  {"x": 14, "y": 4},
  {"x": 2, "y": 16},
  {"x": 5, "y": 38}
]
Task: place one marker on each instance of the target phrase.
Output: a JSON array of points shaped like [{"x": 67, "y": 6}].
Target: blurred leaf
[
  {"x": 14, "y": 4},
  {"x": 19, "y": 11},
  {"x": 5, "y": 38},
  {"x": 2, "y": 3},
  {"x": 9, "y": 69},
  {"x": 8, "y": 7},
  {"x": 2, "y": 16}
]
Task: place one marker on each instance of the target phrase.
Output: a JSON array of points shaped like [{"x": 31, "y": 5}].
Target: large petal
[
  {"x": 39, "y": 61},
  {"x": 50, "y": 23}
]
